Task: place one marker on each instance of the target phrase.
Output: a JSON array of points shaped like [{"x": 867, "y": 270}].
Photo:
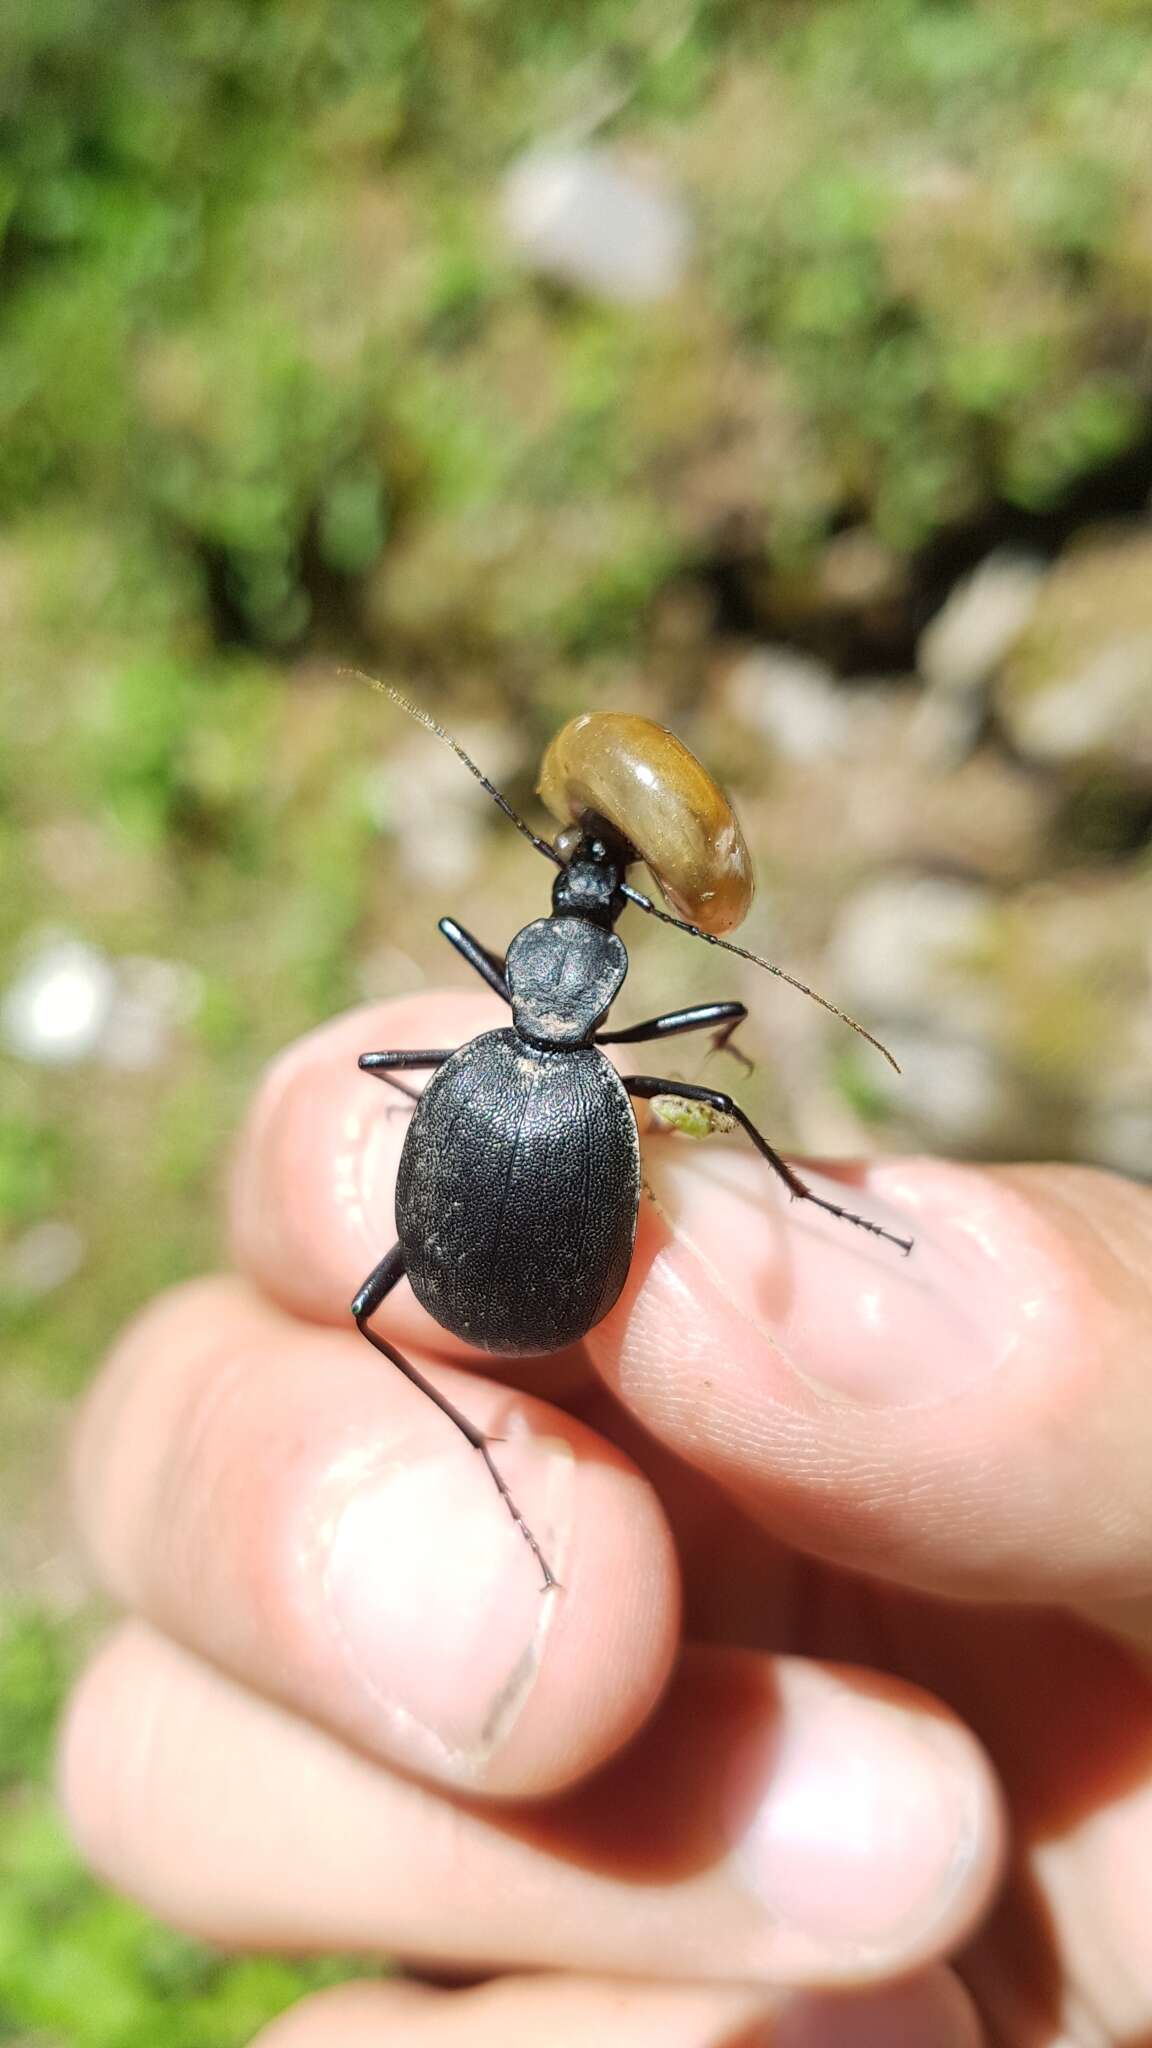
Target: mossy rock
[
  {"x": 1076, "y": 690},
  {"x": 1020, "y": 1016}
]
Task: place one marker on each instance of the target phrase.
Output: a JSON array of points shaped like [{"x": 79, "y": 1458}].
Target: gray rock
[
  {"x": 911, "y": 959},
  {"x": 579, "y": 216},
  {"x": 956, "y": 1093},
  {"x": 961, "y": 649},
  {"x": 908, "y": 949},
  {"x": 908, "y": 957},
  {"x": 965, "y": 643},
  {"x": 791, "y": 699},
  {"x": 1023, "y": 1021},
  {"x": 1076, "y": 689}
]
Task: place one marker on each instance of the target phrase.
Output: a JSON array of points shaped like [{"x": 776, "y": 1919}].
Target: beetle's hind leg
[
  {"x": 647, "y": 1086},
  {"x": 380, "y": 1282}
]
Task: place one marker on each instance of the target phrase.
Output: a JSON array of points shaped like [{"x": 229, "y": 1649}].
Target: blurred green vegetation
[
  {"x": 273, "y": 390},
  {"x": 77, "y": 1965},
  {"x": 261, "y": 332}
]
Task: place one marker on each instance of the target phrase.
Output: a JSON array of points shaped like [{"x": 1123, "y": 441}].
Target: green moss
[
  {"x": 34, "y": 1666},
  {"x": 31, "y": 1158},
  {"x": 1048, "y": 451}
]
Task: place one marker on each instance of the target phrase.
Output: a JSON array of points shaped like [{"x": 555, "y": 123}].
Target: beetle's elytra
[
  {"x": 519, "y": 1180},
  {"x": 486, "y": 1254}
]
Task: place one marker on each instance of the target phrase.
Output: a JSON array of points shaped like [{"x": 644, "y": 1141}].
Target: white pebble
[
  {"x": 70, "y": 1003},
  {"x": 966, "y": 641},
  {"x": 43, "y": 1258},
  {"x": 1099, "y": 709},
  {"x": 577, "y": 216},
  {"x": 56, "y": 1010}
]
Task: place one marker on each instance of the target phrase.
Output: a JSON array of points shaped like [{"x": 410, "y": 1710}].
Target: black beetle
[{"x": 519, "y": 1180}]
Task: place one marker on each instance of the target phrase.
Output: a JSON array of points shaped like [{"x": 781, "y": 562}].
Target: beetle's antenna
[
  {"x": 426, "y": 719},
  {"x": 711, "y": 939}
]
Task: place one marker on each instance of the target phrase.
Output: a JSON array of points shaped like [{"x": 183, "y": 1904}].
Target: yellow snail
[{"x": 611, "y": 769}]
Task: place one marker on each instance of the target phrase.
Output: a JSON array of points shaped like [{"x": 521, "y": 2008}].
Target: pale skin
[{"x": 856, "y": 1553}]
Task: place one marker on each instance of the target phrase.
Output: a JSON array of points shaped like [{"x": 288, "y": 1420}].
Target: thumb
[{"x": 973, "y": 1419}]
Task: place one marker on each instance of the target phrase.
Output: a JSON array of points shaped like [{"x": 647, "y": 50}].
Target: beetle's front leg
[
  {"x": 647, "y": 1086},
  {"x": 488, "y": 965}
]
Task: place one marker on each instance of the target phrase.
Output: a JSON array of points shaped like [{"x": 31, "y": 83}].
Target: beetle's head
[{"x": 589, "y": 883}]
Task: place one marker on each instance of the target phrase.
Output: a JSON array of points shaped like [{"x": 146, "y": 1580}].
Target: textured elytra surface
[{"x": 517, "y": 1193}]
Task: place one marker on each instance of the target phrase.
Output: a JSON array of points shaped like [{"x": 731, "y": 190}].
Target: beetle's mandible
[{"x": 519, "y": 1180}]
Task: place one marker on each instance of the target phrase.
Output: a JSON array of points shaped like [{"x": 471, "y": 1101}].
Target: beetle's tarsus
[
  {"x": 481, "y": 1444},
  {"x": 800, "y": 1192},
  {"x": 725, "y": 1041},
  {"x": 864, "y": 1222}
]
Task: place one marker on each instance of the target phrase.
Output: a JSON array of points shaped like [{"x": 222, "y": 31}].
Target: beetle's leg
[
  {"x": 380, "y": 1282},
  {"x": 489, "y": 966},
  {"x": 378, "y": 1063},
  {"x": 722, "y": 1040},
  {"x": 729, "y": 1016},
  {"x": 392, "y": 1082},
  {"x": 646, "y": 1086}
]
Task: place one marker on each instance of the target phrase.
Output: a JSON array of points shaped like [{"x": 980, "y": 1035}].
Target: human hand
[{"x": 345, "y": 1717}]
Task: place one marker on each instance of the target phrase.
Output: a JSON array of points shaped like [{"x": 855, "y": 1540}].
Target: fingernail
[
  {"x": 856, "y": 1824},
  {"x": 436, "y": 1600},
  {"x": 926, "y": 2012},
  {"x": 853, "y": 1315}
]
